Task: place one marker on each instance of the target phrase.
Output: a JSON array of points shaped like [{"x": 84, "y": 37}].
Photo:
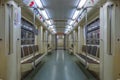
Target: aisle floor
[{"x": 60, "y": 66}]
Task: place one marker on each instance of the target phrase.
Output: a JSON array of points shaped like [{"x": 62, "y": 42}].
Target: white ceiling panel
[{"x": 60, "y": 11}]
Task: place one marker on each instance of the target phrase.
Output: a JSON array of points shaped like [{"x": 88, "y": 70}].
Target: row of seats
[
  {"x": 90, "y": 62},
  {"x": 28, "y": 50},
  {"x": 92, "y": 50},
  {"x": 30, "y": 58}
]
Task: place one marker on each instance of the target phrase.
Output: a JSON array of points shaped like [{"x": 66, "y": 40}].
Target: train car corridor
[
  {"x": 59, "y": 39},
  {"x": 59, "y": 66}
]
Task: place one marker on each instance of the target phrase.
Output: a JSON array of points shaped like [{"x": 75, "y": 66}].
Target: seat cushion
[{"x": 88, "y": 59}]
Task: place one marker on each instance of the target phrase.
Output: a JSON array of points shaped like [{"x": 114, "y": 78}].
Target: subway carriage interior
[{"x": 59, "y": 40}]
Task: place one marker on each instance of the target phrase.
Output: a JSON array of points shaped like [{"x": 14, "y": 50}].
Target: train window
[
  {"x": 92, "y": 33},
  {"x": 92, "y": 37},
  {"x": 27, "y": 33},
  {"x": 27, "y": 37}
]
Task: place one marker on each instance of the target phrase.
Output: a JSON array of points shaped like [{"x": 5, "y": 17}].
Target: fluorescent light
[
  {"x": 75, "y": 23},
  {"x": 48, "y": 22},
  {"x": 51, "y": 26},
  {"x": 43, "y": 12},
  {"x": 53, "y": 29},
  {"x": 39, "y": 3},
  {"x": 51, "y": 21},
  {"x": 71, "y": 22},
  {"x": 54, "y": 32},
  {"x": 68, "y": 29},
  {"x": 45, "y": 24},
  {"x": 66, "y": 32},
  {"x": 81, "y": 4},
  {"x": 69, "y": 26},
  {"x": 76, "y": 14}
]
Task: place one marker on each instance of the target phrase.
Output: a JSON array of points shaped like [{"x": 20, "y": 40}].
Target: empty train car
[{"x": 59, "y": 39}]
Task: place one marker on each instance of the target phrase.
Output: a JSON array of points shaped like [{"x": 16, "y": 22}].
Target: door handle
[
  {"x": 0, "y": 39},
  {"x": 110, "y": 8}
]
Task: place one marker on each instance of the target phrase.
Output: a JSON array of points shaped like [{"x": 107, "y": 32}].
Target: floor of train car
[{"x": 59, "y": 66}]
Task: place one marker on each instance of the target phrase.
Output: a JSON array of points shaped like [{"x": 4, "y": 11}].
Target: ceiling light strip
[
  {"x": 45, "y": 15},
  {"x": 77, "y": 13}
]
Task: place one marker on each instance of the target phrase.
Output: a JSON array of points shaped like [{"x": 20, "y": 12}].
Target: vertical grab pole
[
  {"x": 34, "y": 52},
  {"x": 86, "y": 20}
]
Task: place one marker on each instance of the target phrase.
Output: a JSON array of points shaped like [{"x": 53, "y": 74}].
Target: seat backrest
[
  {"x": 37, "y": 48},
  {"x": 26, "y": 50},
  {"x": 34, "y": 49},
  {"x": 31, "y": 49},
  {"x": 89, "y": 48},
  {"x": 94, "y": 51},
  {"x": 22, "y": 53},
  {"x": 98, "y": 52}
]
